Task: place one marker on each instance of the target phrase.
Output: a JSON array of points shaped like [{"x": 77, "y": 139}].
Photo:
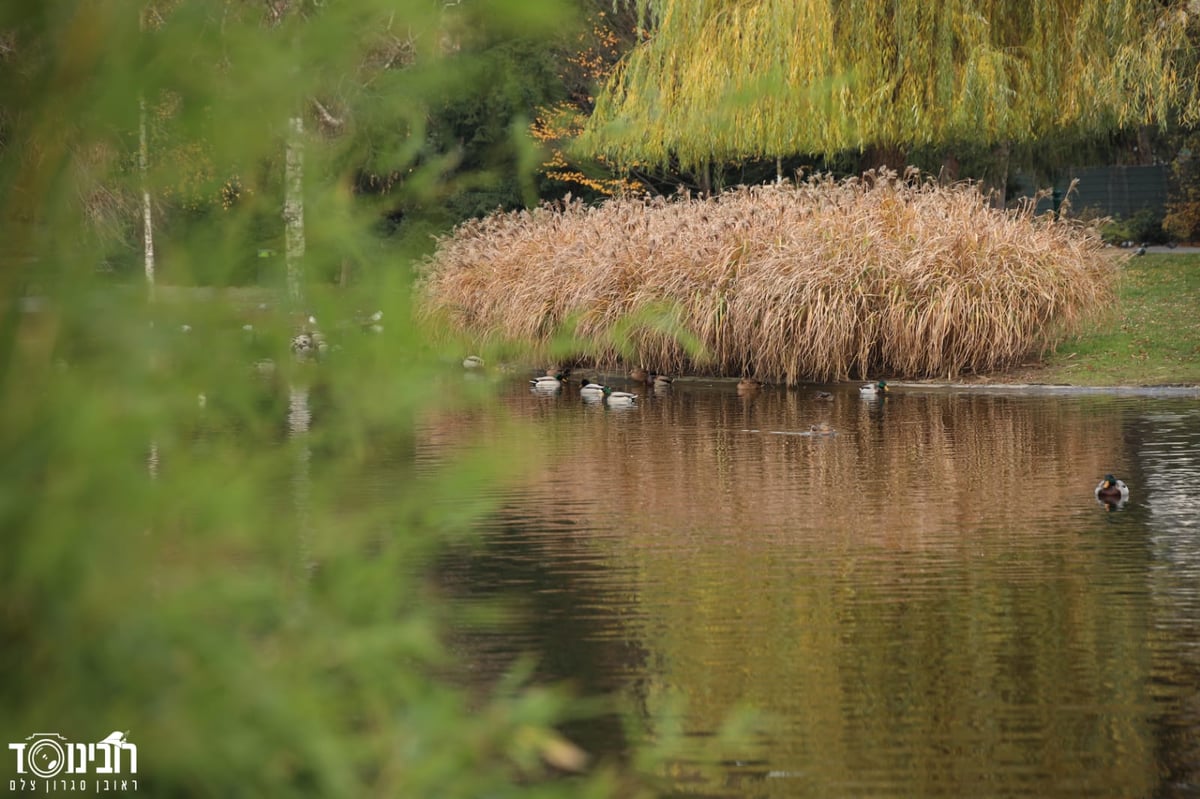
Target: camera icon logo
[
  {"x": 48, "y": 754},
  {"x": 45, "y": 755}
]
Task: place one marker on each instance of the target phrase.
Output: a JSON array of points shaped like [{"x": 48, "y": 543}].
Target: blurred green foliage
[
  {"x": 211, "y": 544},
  {"x": 1143, "y": 227}
]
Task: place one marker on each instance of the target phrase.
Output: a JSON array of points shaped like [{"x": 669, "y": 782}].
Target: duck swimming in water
[
  {"x": 590, "y": 389},
  {"x": 618, "y": 398},
  {"x": 548, "y": 383},
  {"x": 873, "y": 389},
  {"x": 1111, "y": 490}
]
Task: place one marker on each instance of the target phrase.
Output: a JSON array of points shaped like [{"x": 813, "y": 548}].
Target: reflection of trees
[
  {"x": 560, "y": 610},
  {"x": 1168, "y": 443},
  {"x": 915, "y": 598}
]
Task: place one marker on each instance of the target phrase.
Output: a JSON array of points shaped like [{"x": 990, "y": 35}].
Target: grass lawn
[{"x": 1150, "y": 337}]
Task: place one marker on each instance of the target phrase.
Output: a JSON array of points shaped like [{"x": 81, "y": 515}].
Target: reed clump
[{"x": 817, "y": 280}]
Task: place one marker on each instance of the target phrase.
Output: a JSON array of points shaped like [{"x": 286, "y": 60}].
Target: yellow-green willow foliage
[{"x": 723, "y": 80}]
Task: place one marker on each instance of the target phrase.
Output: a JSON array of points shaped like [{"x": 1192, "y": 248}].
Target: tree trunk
[
  {"x": 147, "y": 211},
  {"x": 884, "y": 156},
  {"x": 1145, "y": 148},
  {"x": 147, "y": 244},
  {"x": 997, "y": 187},
  {"x": 949, "y": 171},
  {"x": 299, "y": 413},
  {"x": 293, "y": 212}
]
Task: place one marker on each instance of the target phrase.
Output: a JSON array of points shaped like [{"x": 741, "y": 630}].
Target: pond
[{"x": 929, "y": 602}]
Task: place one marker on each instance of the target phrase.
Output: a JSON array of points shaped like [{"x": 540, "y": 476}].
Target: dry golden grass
[{"x": 821, "y": 280}]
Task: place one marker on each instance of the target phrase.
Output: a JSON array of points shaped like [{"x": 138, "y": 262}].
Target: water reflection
[
  {"x": 929, "y": 602},
  {"x": 1168, "y": 447}
]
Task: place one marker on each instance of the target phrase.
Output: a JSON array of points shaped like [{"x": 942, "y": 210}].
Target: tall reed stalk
[{"x": 818, "y": 280}]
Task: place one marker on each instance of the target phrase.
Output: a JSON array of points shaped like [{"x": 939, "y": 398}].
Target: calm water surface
[{"x": 928, "y": 603}]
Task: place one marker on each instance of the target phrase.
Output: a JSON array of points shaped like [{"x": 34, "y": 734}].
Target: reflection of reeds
[
  {"x": 891, "y": 588},
  {"x": 897, "y": 470},
  {"x": 817, "y": 280}
]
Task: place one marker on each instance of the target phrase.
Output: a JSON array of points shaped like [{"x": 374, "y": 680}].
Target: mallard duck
[
  {"x": 302, "y": 343},
  {"x": 747, "y": 385},
  {"x": 823, "y": 396},
  {"x": 472, "y": 362},
  {"x": 561, "y": 374},
  {"x": 873, "y": 389},
  {"x": 590, "y": 389},
  {"x": 1110, "y": 489},
  {"x": 548, "y": 382},
  {"x": 372, "y": 323},
  {"x": 660, "y": 380},
  {"x": 822, "y": 429},
  {"x": 618, "y": 397}
]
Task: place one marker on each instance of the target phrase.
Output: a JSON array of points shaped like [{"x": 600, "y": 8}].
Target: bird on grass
[
  {"x": 1110, "y": 490},
  {"x": 618, "y": 398},
  {"x": 873, "y": 389}
]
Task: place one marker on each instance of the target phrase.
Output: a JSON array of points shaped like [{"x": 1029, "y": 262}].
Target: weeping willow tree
[{"x": 721, "y": 80}]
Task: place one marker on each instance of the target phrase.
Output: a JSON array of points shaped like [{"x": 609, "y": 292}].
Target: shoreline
[
  {"x": 1055, "y": 388},
  {"x": 981, "y": 385}
]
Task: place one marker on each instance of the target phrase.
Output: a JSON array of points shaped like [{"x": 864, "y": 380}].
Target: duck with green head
[
  {"x": 1111, "y": 490},
  {"x": 548, "y": 383},
  {"x": 618, "y": 398},
  {"x": 873, "y": 389}
]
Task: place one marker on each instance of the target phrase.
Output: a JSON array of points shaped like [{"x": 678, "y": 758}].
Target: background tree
[
  {"x": 721, "y": 81},
  {"x": 176, "y": 602},
  {"x": 585, "y": 59}
]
